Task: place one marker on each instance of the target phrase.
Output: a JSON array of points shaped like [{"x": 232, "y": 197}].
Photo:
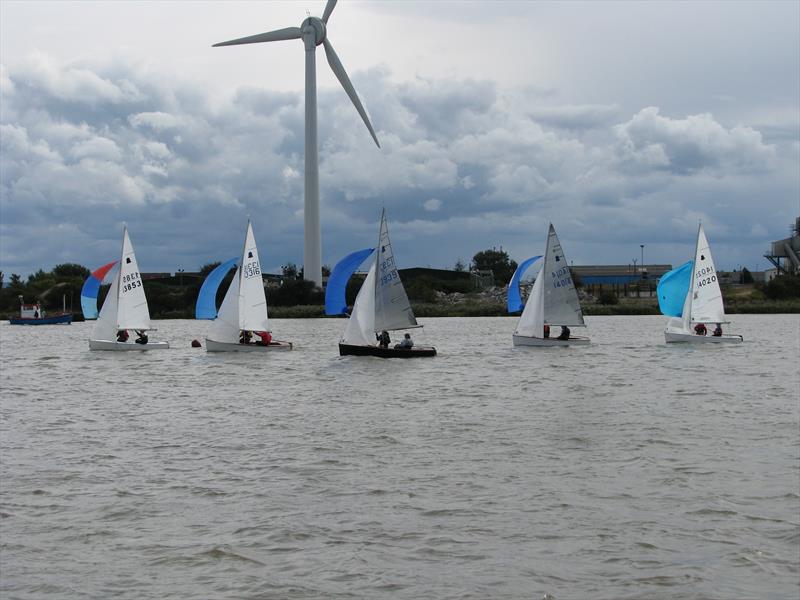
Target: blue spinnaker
[
  {"x": 335, "y": 301},
  {"x": 206, "y": 306},
  {"x": 672, "y": 289},
  {"x": 90, "y": 289},
  {"x": 515, "y": 303}
]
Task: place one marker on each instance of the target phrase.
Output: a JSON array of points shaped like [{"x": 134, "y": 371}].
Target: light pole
[
  {"x": 180, "y": 271},
  {"x": 641, "y": 264}
]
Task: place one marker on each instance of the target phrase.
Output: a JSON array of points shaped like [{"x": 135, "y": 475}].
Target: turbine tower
[{"x": 313, "y": 32}]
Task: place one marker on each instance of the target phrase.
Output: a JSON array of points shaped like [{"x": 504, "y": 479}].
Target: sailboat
[
  {"x": 690, "y": 295},
  {"x": 125, "y": 308},
  {"x": 381, "y": 304},
  {"x": 244, "y": 308},
  {"x": 553, "y": 300}
]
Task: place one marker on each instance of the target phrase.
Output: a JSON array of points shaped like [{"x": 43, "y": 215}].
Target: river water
[{"x": 625, "y": 469}]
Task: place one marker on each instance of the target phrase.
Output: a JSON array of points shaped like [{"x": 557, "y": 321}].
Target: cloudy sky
[{"x": 622, "y": 123}]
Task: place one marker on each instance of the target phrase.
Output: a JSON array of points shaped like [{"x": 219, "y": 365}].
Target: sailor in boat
[
  {"x": 717, "y": 331},
  {"x": 36, "y": 312},
  {"x": 564, "y": 335},
  {"x": 141, "y": 336},
  {"x": 383, "y": 339},
  {"x": 122, "y": 335},
  {"x": 406, "y": 343},
  {"x": 266, "y": 338},
  {"x": 700, "y": 329},
  {"x": 546, "y": 331},
  {"x": 245, "y": 337}
]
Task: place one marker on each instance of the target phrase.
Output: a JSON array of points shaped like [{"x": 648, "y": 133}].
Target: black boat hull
[{"x": 415, "y": 352}]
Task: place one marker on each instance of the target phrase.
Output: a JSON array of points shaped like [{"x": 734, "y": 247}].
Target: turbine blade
[
  {"x": 328, "y": 10},
  {"x": 290, "y": 33},
  {"x": 341, "y": 75}
]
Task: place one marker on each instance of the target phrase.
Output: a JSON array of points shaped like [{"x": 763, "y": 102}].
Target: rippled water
[{"x": 625, "y": 469}]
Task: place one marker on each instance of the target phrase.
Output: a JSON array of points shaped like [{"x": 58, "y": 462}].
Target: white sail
[
  {"x": 105, "y": 328},
  {"x": 561, "y": 304},
  {"x": 392, "y": 308},
  {"x": 531, "y": 322},
  {"x": 225, "y": 327},
  {"x": 360, "y": 330},
  {"x": 706, "y": 300},
  {"x": 252, "y": 301},
  {"x": 132, "y": 312}
]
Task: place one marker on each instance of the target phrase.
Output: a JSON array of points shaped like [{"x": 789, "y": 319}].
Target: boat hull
[
  {"x": 524, "y": 340},
  {"x": 215, "y": 346},
  {"x": 126, "y": 346},
  {"x": 415, "y": 352},
  {"x": 691, "y": 338},
  {"x": 55, "y": 320}
]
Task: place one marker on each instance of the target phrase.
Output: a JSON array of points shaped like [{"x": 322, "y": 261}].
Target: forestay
[
  {"x": 392, "y": 308},
  {"x": 561, "y": 304}
]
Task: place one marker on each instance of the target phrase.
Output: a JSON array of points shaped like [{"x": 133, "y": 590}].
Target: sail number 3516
[{"x": 251, "y": 269}]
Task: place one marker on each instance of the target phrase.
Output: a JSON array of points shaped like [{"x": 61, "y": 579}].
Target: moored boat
[{"x": 33, "y": 314}]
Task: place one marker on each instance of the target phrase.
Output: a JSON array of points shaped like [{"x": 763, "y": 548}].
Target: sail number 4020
[{"x": 251, "y": 270}]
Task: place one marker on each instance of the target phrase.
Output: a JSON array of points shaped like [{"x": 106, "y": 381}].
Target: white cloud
[{"x": 432, "y": 205}]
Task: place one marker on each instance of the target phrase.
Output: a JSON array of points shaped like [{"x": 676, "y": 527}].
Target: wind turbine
[{"x": 313, "y": 31}]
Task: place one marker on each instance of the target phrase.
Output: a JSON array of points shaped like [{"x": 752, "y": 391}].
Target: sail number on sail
[
  {"x": 251, "y": 269},
  {"x": 562, "y": 277},
  {"x": 708, "y": 273},
  {"x": 390, "y": 276},
  {"x": 131, "y": 281}
]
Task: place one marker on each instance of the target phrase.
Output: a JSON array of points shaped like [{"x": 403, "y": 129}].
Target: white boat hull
[
  {"x": 524, "y": 340},
  {"x": 126, "y": 346},
  {"x": 692, "y": 338},
  {"x": 215, "y": 346}
]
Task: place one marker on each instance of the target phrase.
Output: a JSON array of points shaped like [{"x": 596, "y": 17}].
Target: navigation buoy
[{"x": 196, "y": 344}]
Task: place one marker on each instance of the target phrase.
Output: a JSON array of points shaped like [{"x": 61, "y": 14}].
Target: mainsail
[
  {"x": 252, "y": 301},
  {"x": 706, "y": 303},
  {"x": 561, "y": 304},
  {"x": 132, "y": 312},
  {"x": 392, "y": 308}
]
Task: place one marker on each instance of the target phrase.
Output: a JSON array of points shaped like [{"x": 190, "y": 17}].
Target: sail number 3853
[{"x": 130, "y": 282}]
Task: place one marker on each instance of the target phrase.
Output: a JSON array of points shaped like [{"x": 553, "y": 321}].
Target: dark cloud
[{"x": 461, "y": 168}]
